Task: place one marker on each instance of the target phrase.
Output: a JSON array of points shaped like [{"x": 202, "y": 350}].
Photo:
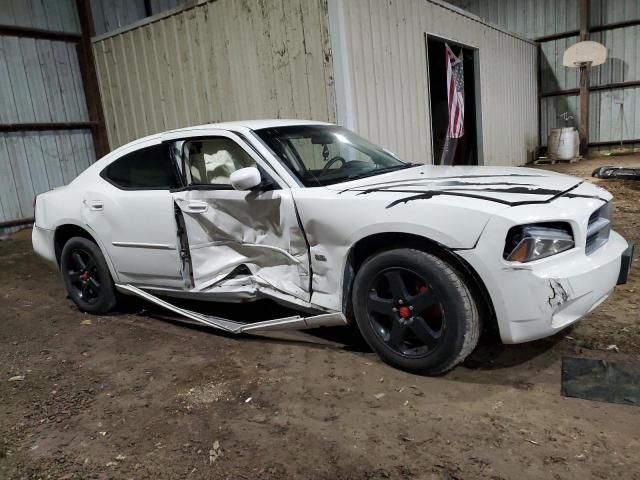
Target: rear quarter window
[{"x": 145, "y": 169}]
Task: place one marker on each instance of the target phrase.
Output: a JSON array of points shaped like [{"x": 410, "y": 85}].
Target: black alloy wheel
[
  {"x": 405, "y": 313},
  {"x": 84, "y": 276},
  {"x": 415, "y": 310},
  {"x": 87, "y": 277}
]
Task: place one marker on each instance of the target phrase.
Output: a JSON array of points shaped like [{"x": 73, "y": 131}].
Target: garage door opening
[{"x": 464, "y": 150}]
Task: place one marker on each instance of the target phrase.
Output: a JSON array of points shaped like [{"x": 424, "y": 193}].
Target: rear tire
[
  {"x": 415, "y": 311},
  {"x": 86, "y": 276}
]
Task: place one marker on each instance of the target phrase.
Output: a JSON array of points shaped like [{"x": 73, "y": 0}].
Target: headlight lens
[{"x": 526, "y": 243}]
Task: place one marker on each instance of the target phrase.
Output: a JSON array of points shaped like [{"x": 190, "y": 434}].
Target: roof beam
[{"x": 15, "y": 31}]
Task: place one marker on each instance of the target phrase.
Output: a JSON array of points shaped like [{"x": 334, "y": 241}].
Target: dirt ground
[{"x": 132, "y": 395}]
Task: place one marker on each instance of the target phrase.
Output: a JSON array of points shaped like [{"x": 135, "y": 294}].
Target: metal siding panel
[
  {"x": 280, "y": 58},
  {"x": 57, "y": 15},
  {"x": 8, "y": 109},
  {"x": 97, "y": 13},
  {"x": 54, "y": 22},
  {"x": 314, "y": 57},
  {"x": 148, "y": 81},
  {"x": 167, "y": 72},
  {"x": 50, "y": 155},
  {"x": 18, "y": 80},
  {"x": 20, "y": 12},
  {"x": 130, "y": 95},
  {"x": 219, "y": 14},
  {"x": 195, "y": 81},
  {"x": 8, "y": 190},
  {"x": 104, "y": 84},
  {"x": 219, "y": 61},
  {"x": 119, "y": 124},
  {"x": 176, "y": 36},
  {"x": 78, "y": 146},
  {"x": 139, "y": 92},
  {"x": 67, "y": 88},
  {"x": 67, "y": 163},
  {"x": 34, "y": 156},
  {"x": 20, "y": 168},
  {"x": 295, "y": 37},
  {"x": 528, "y": 18}
]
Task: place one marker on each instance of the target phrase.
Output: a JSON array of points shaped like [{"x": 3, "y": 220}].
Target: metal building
[
  {"x": 556, "y": 26},
  {"x": 361, "y": 63}
]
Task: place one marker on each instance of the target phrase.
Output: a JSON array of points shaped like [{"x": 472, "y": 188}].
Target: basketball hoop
[{"x": 585, "y": 54}]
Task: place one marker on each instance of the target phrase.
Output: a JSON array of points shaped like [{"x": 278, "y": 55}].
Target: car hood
[{"x": 506, "y": 185}]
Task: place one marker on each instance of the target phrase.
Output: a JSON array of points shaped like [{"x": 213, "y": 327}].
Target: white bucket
[{"x": 562, "y": 143}]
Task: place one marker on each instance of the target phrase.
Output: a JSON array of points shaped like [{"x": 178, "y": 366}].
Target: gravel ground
[{"x": 133, "y": 395}]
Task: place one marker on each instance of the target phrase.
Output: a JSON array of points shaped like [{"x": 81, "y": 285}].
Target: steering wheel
[{"x": 330, "y": 163}]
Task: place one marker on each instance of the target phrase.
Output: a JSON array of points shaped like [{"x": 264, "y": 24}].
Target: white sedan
[{"x": 310, "y": 215}]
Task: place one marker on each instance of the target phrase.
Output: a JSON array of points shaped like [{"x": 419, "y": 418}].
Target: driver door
[{"x": 248, "y": 240}]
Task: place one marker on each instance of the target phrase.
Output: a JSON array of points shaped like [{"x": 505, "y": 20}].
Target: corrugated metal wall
[
  {"x": 536, "y": 18},
  {"x": 224, "y": 60},
  {"x": 39, "y": 82},
  {"x": 387, "y": 73},
  {"x": 110, "y": 15},
  {"x": 529, "y": 18}
]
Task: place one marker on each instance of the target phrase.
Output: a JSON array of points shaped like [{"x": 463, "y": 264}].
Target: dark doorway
[{"x": 466, "y": 150}]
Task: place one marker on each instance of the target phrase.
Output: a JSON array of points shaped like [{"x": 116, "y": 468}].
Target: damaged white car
[{"x": 310, "y": 215}]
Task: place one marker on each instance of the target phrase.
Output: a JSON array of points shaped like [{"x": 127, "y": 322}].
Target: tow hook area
[
  {"x": 625, "y": 264},
  {"x": 558, "y": 294}
]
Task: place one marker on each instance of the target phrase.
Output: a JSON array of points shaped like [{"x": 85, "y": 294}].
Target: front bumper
[{"x": 538, "y": 299}]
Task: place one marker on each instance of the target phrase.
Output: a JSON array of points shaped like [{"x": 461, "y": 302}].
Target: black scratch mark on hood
[
  {"x": 449, "y": 183},
  {"x": 431, "y": 194},
  {"x": 426, "y": 195},
  {"x": 436, "y": 179}
]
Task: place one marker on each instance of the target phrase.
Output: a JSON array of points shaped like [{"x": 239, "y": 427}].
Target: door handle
[
  {"x": 196, "y": 207},
  {"x": 96, "y": 205}
]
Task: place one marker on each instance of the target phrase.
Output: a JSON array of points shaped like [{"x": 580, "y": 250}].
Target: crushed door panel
[{"x": 251, "y": 240}]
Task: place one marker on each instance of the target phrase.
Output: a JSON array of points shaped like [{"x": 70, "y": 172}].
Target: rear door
[
  {"x": 247, "y": 241},
  {"x": 132, "y": 213}
]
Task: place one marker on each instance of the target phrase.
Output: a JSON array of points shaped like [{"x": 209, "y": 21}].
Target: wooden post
[
  {"x": 583, "y": 131},
  {"x": 90, "y": 79}
]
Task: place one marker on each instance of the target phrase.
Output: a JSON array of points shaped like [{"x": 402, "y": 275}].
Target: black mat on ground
[{"x": 601, "y": 381}]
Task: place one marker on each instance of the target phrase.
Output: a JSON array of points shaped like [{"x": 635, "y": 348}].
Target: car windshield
[{"x": 326, "y": 154}]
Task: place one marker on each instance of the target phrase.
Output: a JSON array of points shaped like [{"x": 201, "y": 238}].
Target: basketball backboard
[{"x": 587, "y": 52}]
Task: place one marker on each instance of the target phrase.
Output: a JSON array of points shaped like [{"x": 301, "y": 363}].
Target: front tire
[
  {"x": 87, "y": 277},
  {"x": 415, "y": 311}
]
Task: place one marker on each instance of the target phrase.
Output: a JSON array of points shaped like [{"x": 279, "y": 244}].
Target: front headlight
[{"x": 526, "y": 243}]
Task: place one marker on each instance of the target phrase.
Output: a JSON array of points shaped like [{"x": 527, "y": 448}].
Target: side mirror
[{"x": 245, "y": 178}]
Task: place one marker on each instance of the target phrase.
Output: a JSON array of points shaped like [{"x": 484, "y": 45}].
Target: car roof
[
  {"x": 251, "y": 124},
  {"x": 231, "y": 126}
]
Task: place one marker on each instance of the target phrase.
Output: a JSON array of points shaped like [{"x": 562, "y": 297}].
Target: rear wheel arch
[
  {"x": 67, "y": 231},
  {"x": 376, "y": 243}
]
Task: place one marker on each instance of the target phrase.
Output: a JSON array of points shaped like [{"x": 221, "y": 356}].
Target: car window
[
  {"x": 212, "y": 161},
  {"x": 145, "y": 169}
]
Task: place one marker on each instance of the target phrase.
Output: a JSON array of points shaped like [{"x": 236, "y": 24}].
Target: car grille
[{"x": 599, "y": 228}]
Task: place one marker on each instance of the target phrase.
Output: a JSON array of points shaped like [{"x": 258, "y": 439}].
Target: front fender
[{"x": 334, "y": 222}]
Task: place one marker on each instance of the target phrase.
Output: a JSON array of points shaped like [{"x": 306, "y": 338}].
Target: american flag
[{"x": 455, "y": 93}]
